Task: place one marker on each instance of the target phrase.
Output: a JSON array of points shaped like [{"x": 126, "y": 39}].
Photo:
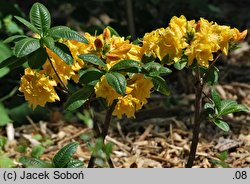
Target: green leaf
[
  {"x": 38, "y": 58},
  {"x": 113, "y": 31},
  {"x": 160, "y": 85},
  {"x": 26, "y": 46},
  {"x": 108, "y": 149},
  {"x": 64, "y": 48},
  {"x": 223, "y": 155},
  {"x": 213, "y": 76},
  {"x": 180, "y": 64},
  {"x": 90, "y": 76},
  {"x": 3, "y": 141},
  {"x": 231, "y": 106},
  {"x": 64, "y": 56},
  {"x": 4, "y": 71},
  {"x": 40, "y": 17},
  {"x": 126, "y": 66},
  {"x": 78, "y": 98},
  {"x": 63, "y": 157},
  {"x": 222, "y": 125},
  {"x": 209, "y": 108},
  {"x": 37, "y": 151},
  {"x": 117, "y": 81},
  {"x": 156, "y": 69},
  {"x": 216, "y": 99},
  {"x": 47, "y": 41},
  {"x": 60, "y": 32},
  {"x": 93, "y": 59},
  {"x": 6, "y": 162},
  {"x": 5, "y": 119},
  {"x": 28, "y": 24},
  {"x": 13, "y": 62},
  {"x": 75, "y": 164},
  {"x": 147, "y": 58},
  {"x": 34, "y": 163},
  {"x": 14, "y": 38}
]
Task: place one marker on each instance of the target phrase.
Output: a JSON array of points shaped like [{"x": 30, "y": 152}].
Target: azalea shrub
[{"x": 121, "y": 73}]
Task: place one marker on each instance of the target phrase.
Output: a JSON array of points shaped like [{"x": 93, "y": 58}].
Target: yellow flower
[
  {"x": 141, "y": 87},
  {"x": 239, "y": 36},
  {"x": 135, "y": 53},
  {"x": 151, "y": 40},
  {"x": 126, "y": 105},
  {"x": 75, "y": 49},
  {"x": 64, "y": 70},
  {"x": 37, "y": 88},
  {"x": 104, "y": 90},
  {"x": 170, "y": 41},
  {"x": 205, "y": 43},
  {"x": 137, "y": 92}
]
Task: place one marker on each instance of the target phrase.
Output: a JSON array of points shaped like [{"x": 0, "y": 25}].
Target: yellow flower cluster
[
  {"x": 137, "y": 91},
  {"x": 197, "y": 40},
  {"x": 37, "y": 88},
  {"x": 113, "y": 49}
]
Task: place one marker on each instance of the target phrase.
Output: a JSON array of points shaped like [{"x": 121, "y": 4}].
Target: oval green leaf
[
  {"x": 160, "y": 85},
  {"x": 90, "y": 76},
  {"x": 216, "y": 99},
  {"x": 14, "y": 38},
  {"x": 93, "y": 59},
  {"x": 156, "y": 69},
  {"x": 28, "y": 24},
  {"x": 117, "y": 81},
  {"x": 231, "y": 106},
  {"x": 125, "y": 65},
  {"x": 26, "y": 46},
  {"x": 75, "y": 164},
  {"x": 38, "y": 58},
  {"x": 222, "y": 125},
  {"x": 63, "y": 157},
  {"x": 67, "y": 33},
  {"x": 78, "y": 98},
  {"x": 40, "y": 17},
  {"x": 34, "y": 163},
  {"x": 47, "y": 41},
  {"x": 67, "y": 58}
]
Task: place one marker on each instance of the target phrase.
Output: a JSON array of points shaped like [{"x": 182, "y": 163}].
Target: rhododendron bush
[{"x": 122, "y": 73}]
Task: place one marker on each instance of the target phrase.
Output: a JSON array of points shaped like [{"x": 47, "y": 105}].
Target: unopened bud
[
  {"x": 98, "y": 43},
  {"x": 106, "y": 34}
]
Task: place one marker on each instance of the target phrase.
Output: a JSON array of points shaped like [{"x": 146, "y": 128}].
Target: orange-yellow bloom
[
  {"x": 64, "y": 70},
  {"x": 104, "y": 90},
  {"x": 38, "y": 89},
  {"x": 126, "y": 105}
]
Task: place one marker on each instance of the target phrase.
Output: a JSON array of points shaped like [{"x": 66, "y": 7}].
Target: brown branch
[
  {"x": 59, "y": 78},
  {"x": 102, "y": 134},
  {"x": 197, "y": 120}
]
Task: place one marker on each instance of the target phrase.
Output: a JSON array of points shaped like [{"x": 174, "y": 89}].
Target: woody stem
[{"x": 102, "y": 134}]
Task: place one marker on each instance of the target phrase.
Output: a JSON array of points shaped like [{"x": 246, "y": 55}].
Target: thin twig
[
  {"x": 207, "y": 96},
  {"x": 59, "y": 78}
]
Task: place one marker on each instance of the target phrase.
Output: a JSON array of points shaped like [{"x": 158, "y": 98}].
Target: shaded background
[{"x": 134, "y": 16}]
